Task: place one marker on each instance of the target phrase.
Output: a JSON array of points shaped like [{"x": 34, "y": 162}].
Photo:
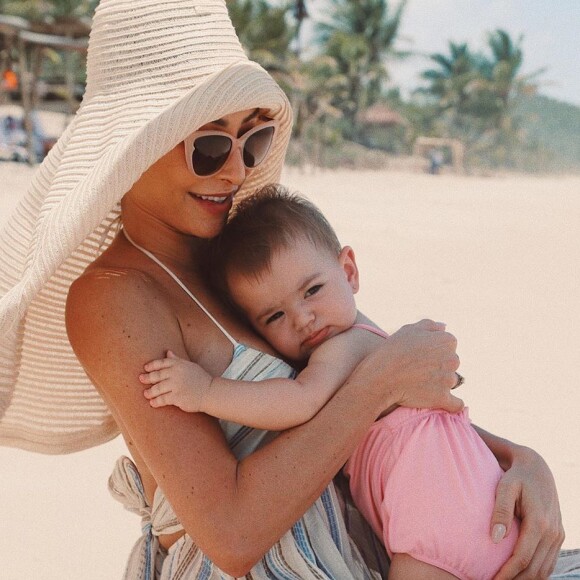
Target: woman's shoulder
[
  {"x": 110, "y": 289},
  {"x": 117, "y": 274},
  {"x": 109, "y": 283}
]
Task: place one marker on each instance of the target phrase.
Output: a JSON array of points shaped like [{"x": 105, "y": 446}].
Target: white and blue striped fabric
[{"x": 317, "y": 547}]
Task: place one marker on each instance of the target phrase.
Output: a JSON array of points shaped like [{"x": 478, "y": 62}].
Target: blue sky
[{"x": 551, "y": 31}]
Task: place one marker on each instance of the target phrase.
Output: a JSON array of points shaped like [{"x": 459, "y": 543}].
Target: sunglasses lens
[
  {"x": 210, "y": 153},
  {"x": 257, "y": 146}
]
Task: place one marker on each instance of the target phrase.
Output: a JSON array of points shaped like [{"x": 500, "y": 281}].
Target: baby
[{"x": 423, "y": 478}]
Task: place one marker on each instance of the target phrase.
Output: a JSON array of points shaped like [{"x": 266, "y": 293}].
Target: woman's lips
[{"x": 214, "y": 203}]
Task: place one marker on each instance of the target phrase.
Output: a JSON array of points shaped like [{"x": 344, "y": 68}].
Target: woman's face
[{"x": 170, "y": 193}]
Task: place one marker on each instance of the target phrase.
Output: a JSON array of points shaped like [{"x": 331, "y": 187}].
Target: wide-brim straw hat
[{"x": 157, "y": 70}]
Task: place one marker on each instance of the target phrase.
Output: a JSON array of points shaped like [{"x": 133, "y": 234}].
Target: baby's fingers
[
  {"x": 161, "y": 401},
  {"x": 156, "y": 392},
  {"x": 153, "y": 377},
  {"x": 160, "y": 363}
]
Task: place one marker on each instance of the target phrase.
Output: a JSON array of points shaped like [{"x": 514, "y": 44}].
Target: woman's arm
[
  {"x": 274, "y": 404},
  {"x": 527, "y": 489},
  {"x": 236, "y": 510}
]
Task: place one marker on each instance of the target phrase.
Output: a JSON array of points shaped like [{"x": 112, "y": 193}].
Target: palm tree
[
  {"x": 263, "y": 31},
  {"x": 476, "y": 94},
  {"x": 317, "y": 84},
  {"x": 360, "y": 36},
  {"x": 507, "y": 60},
  {"x": 504, "y": 86},
  {"x": 450, "y": 83},
  {"x": 464, "y": 100}
]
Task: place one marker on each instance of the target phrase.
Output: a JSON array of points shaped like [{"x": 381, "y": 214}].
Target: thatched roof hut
[
  {"x": 381, "y": 115},
  {"x": 381, "y": 127}
]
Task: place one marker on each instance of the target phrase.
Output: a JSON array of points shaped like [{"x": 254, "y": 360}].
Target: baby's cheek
[{"x": 286, "y": 345}]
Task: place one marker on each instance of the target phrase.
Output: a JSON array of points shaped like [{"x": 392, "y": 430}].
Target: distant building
[{"x": 383, "y": 128}]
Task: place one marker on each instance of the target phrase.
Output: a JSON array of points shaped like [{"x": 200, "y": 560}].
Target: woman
[{"x": 168, "y": 85}]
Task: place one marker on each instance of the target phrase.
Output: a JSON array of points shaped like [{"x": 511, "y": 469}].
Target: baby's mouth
[{"x": 316, "y": 338}]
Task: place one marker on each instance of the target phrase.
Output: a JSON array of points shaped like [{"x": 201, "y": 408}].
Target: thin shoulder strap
[
  {"x": 372, "y": 329},
  {"x": 183, "y": 286}
]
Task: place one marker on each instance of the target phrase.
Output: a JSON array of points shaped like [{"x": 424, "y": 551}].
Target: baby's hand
[{"x": 176, "y": 382}]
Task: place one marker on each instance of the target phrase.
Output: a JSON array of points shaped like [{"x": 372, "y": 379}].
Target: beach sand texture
[{"x": 497, "y": 259}]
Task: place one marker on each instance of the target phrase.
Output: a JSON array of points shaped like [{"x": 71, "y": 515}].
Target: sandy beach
[{"x": 496, "y": 258}]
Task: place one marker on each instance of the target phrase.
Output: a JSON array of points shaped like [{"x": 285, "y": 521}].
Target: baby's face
[{"x": 305, "y": 298}]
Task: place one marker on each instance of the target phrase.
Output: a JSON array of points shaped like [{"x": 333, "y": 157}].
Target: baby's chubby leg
[{"x": 405, "y": 567}]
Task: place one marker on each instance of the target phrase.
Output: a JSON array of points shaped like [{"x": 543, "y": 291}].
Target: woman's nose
[{"x": 234, "y": 169}]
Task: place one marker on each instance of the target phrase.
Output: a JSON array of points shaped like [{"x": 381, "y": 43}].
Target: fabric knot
[
  {"x": 147, "y": 529},
  {"x": 126, "y": 487}
]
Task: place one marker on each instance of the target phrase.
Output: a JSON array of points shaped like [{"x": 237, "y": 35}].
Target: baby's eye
[
  {"x": 313, "y": 290},
  {"x": 274, "y": 316}
]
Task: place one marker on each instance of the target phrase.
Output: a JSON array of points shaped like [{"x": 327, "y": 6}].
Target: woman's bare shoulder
[
  {"x": 109, "y": 283},
  {"x": 109, "y": 300}
]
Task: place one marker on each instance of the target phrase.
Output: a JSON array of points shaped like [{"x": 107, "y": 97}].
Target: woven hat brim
[{"x": 64, "y": 222}]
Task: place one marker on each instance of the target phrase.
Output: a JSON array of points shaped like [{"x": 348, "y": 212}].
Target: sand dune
[{"x": 495, "y": 258}]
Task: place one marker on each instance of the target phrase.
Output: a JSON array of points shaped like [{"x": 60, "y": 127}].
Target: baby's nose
[{"x": 304, "y": 318}]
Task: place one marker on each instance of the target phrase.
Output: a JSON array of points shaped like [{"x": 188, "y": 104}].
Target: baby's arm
[{"x": 274, "y": 404}]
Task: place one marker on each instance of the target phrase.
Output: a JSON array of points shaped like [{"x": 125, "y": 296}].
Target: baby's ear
[{"x": 348, "y": 264}]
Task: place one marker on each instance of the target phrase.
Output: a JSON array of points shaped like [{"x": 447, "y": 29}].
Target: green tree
[
  {"x": 507, "y": 60},
  {"x": 317, "y": 85},
  {"x": 503, "y": 89},
  {"x": 502, "y": 73},
  {"x": 264, "y": 31},
  {"x": 456, "y": 84},
  {"x": 449, "y": 83},
  {"x": 47, "y": 10},
  {"x": 360, "y": 36},
  {"x": 476, "y": 94}
]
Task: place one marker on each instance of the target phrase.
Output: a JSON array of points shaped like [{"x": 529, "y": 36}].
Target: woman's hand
[
  {"x": 416, "y": 367},
  {"x": 528, "y": 489}
]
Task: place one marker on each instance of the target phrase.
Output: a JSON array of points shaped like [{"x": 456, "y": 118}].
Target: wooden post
[
  {"x": 31, "y": 45},
  {"x": 26, "y": 87},
  {"x": 10, "y": 26}
]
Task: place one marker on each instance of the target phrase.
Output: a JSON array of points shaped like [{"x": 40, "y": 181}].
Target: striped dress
[{"x": 317, "y": 547}]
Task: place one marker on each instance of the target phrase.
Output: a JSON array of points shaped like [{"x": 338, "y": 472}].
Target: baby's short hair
[{"x": 261, "y": 224}]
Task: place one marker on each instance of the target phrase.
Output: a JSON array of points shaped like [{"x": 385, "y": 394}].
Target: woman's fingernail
[{"x": 498, "y": 533}]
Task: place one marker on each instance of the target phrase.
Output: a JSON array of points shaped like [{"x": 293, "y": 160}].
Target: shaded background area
[{"x": 368, "y": 80}]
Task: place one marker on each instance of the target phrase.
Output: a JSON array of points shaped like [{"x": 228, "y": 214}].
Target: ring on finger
[{"x": 460, "y": 381}]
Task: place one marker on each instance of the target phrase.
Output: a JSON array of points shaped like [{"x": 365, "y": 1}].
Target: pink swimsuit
[{"x": 426, "y": 482}]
